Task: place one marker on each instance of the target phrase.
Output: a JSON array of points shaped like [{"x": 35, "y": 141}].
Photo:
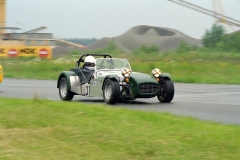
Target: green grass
[
  {"x": 193, "y": 67},
  {"x": 42, "y": 129},
  {"x": 190, "y": 67}
]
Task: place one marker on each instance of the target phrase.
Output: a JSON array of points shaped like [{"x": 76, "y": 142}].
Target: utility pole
[{"x": 2, "y": 16}]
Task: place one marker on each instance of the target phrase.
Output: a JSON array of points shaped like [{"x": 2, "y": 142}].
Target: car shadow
[
  {"x": 120, "y": 102},
  {"x": 91, "y": 100},
  {"x": 133, "y": 102}
]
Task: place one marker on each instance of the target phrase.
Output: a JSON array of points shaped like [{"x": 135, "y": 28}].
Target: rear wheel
[
  {"x": 166, "y": 90},
  {"x": 111, "y": 91},
  {"x": 64, "y": 90}
]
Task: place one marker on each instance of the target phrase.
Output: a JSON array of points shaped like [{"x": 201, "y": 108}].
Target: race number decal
[
  {"x": 94, "y": 83},
  {"x": 87, "y": 89}
]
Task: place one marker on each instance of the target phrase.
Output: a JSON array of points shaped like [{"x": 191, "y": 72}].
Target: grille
[{"x": 147, "y": 88}]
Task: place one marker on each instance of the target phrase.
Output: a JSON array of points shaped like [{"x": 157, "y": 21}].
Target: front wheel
[
  {"x": 111, "y": 91},
  {"x": 166, "y": 90},
  {"x": 64, "y": 91}
]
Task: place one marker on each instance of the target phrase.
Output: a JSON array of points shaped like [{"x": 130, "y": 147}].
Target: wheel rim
[
  {"x": 108, "y": 91},
  {"x": 162, "y": 90},
  {"x": 63, "y": 89}
]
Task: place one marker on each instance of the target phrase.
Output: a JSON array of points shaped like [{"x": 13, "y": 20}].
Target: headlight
[
  {"x": 126, "y": 72},
  {"x": 156, "y": 72}
]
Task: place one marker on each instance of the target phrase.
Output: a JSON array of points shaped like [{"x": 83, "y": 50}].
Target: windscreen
[{"x": 112, "y": 63}]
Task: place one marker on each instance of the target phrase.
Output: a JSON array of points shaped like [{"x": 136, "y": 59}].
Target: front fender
[
  {"x": 165, "y": 75},
  {"x": 110, "y": 76},
  {"x": 66, "y": 74}
]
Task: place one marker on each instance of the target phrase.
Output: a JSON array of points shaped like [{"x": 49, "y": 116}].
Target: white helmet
[
  {"x": 89, "y": 62},
  {"x": 90, "y": 59}
]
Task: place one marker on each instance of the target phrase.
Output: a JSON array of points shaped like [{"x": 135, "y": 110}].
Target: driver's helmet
[{"x": 89, "y": 62}]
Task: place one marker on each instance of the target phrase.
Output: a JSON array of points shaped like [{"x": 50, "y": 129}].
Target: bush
[
  {"x": 147, "y": 49},
  {"x": 184, "y": 47},
  {"x": 111, "y": 46}
]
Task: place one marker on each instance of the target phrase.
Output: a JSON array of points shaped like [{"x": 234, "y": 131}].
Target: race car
[
  {"x": 112, "y": 79},
  {"x": 1, "y": 74}
]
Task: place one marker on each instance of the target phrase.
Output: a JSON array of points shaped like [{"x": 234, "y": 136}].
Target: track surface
[{"x": 218, "y": 103}]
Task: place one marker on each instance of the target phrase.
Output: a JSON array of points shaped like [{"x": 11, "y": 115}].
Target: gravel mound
[
  {"x": 165, "y": 38},
  {"x": 99, "y": 44}
]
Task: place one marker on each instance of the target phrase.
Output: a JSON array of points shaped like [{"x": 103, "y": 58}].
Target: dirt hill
[{"x": 164, "y": 38}]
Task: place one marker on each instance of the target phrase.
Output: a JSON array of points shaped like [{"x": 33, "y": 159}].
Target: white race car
[{"x": 112, "y": 79}]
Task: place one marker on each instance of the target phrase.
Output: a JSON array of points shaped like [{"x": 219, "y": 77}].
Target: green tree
[
  {"x": 231, "y": 42},
  {"x": 213, "y": 36}
]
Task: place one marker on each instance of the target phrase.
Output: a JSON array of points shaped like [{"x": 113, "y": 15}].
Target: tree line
[
  {"x": 217, "y": 39},
  {"x": 82, "y": 41}
]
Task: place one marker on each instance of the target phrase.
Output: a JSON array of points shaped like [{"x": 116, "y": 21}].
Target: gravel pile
[
  {"x": 99, "y": 44},
  {"x": 165, "y": 38}
]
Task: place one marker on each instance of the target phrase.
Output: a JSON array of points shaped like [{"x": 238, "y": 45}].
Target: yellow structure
[
  {"x": 2, "y": 16},
  {"x": 29, "y": 43},
  {"x": 26, "y": 51},
  {"x": 1, "y": 74},
  {"x": 217, "y": 8}
]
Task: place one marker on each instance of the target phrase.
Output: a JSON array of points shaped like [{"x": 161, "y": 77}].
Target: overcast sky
[{"x": 110, "y": 18}]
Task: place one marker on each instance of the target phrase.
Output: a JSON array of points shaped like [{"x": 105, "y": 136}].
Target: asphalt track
[{"x": 217, "y": 103}]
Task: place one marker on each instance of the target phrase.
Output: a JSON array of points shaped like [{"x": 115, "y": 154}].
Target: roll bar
[{"x": 81, "y": 59}]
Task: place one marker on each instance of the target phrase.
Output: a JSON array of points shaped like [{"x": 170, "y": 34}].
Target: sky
[{"x": 111, "y": 18}]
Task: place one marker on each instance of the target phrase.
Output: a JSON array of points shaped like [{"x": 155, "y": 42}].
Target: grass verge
[
  {"x": 42, "y": 129},
  {"x": 190, "y": 67}
]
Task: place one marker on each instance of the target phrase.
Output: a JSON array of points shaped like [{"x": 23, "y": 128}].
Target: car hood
[
  {"x": 142, "y": 78},
  {"x": 137, "y": 77}
]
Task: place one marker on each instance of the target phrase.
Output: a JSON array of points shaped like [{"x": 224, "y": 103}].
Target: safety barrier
[{"x": 25, "y": 51}]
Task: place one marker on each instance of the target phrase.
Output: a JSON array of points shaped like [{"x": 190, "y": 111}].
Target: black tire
[
  {"x": 166, "y": 90},
  {"x": 64, "y": 90},
  {"x": 111, "y": 91}
]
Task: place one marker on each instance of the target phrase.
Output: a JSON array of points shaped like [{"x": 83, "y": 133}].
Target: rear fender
[{"x": 67, "y": 75}]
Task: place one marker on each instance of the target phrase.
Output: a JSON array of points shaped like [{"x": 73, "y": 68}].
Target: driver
[{"x": 89, "y": 63}]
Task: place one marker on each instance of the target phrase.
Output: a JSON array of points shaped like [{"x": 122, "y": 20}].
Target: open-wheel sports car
[{"x": 113, "y": 79}]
